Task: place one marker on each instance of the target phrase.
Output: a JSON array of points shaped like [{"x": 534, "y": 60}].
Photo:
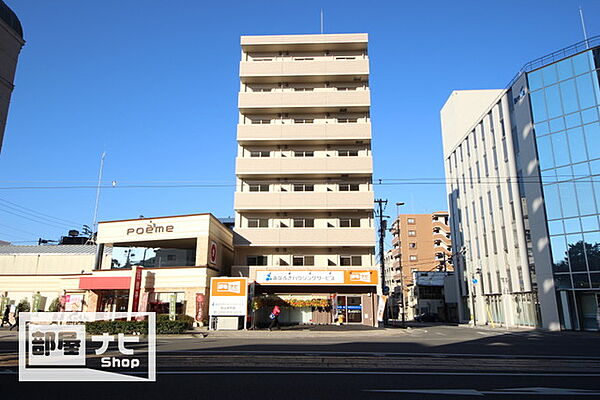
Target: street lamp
[{"x": 399, "y": 257}]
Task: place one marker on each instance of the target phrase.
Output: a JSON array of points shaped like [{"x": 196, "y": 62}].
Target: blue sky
[{"x": 154, "y": 84}]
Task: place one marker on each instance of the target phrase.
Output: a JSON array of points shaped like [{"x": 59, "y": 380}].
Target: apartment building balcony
[
  {"x": 442, "y": 237},
  {"x": 274, "y": 166},
  {"x": 441, "y": 225},
  {"x": 317, "y": 100},
  {"x": 248, "y": 201},
  {"x": 395, "y": 252},
  {"x": 305, "y": 132},
  {"x": 253, "y": 71},
  {"x": 315, "y": 237},
  {"x": 395, "y": 240}
]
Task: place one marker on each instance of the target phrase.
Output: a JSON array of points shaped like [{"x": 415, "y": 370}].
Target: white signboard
[
  {"x": 228, "y": 297},
  {"x": 293, "y": 277}
]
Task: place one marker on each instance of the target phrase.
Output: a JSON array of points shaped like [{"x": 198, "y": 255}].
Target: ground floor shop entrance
[
  {"x": 319, "y": 306},
  {"x": 580, "y": 310}
]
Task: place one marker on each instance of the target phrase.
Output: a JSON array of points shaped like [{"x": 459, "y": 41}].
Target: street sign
[{"x": 474, "y": 281}]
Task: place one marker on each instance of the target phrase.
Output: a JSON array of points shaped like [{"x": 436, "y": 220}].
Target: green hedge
[{"x": 164, "y": 325}]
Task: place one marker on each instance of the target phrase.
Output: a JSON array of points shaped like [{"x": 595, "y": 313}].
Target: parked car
[{"x": 427, "y": 317}]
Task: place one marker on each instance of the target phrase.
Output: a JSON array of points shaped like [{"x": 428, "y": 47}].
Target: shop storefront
[{"x": 313, "y": 297}]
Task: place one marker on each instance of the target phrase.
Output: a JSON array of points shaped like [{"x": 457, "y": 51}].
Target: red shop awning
[{"x": 104, "y": 282}]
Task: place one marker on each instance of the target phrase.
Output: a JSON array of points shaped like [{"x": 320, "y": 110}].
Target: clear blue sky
[{"x": 154, "y": 84}]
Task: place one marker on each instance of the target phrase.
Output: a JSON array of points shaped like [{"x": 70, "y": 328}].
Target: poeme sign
[{"x": 150, "y": 229}]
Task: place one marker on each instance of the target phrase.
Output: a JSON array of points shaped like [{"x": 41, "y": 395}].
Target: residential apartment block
[
  {"x": 522, "y": 166},
  {"x": 304, "y": 197},
  {"x": 421, "y": 242}
]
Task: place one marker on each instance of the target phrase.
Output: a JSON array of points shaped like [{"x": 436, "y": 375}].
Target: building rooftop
[
  {"x": 7, "y": 15},
  {"x": 49, "y": 249}
]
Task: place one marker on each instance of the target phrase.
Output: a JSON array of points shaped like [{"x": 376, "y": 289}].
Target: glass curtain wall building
[{"x": 539, "y": 152}]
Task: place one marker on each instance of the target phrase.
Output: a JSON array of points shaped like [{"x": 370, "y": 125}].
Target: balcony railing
[
  {"x": 292, "y": 100},
  {"x": 303, "y": 165},
  {"x": 316, "y": 237},
  {"x": 316, "y": 131},
  {"x": 303, "y": 201}
]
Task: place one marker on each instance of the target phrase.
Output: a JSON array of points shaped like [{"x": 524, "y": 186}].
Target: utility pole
[{"x": 382, "y": 228}]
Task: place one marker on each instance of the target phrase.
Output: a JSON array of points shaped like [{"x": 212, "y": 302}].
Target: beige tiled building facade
[
  {"x": 304, "y": 198},
  {"x": 421, "y": 242}
]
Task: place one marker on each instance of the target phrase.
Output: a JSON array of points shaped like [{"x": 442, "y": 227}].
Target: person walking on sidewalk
[
  {"x": 275, "y": 318},
  {"x": 5, "y": 317}
]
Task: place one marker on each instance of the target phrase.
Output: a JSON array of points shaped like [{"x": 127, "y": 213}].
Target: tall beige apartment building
[
  {"x": 421, "y": 242},
  {"x": 304, "y": 198}
]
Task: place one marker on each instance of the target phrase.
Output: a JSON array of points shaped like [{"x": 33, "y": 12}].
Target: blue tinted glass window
[
  {"x": 559, "y": 142},
  {"x": 573, "y": 120},
  {"x": 576, "y": 145},
  {"x": 545, "y": 152},
  {"x": 557, "y": 124},
  {"x": 562, "y": 281},
  {"x": 572, "y": 225},
  {"x": 581, "y": 170},
  {"x": 535, "y": 80},
  {"x": 590, "y": 115},
  {"x": 556, "y": 227},
  {"x": 550, "y": 74},
  {"x": 595, "y": 167},
  {"x": 576, "y": 252},
  {"x": 548, "y": 176},
  {"x": 559, "y": 254},
  {"x": 595, "y": 278},
  {"x": 581, "y": 63},
  {"x": 581, "y": 281},
  {"x": 552, "y": 201},
  {"x": 592, "y": 250},
  {"x": 589, "y": 224},
  {"x": 592, "y": 138},
  {"x": 568, "y": 200},
  {"x": 586, "y": 90},
  {"x": 553, "y": 104},
  {"x": 538, "y": 106},
  {"x": 541, "y": 128},
  {"x": 569, "y": 96},
  {"x": 565, "y": 69},
  {"x": 585, "y": 197}
]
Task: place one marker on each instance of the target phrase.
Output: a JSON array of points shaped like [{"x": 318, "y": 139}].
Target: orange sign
[
  {"x": 360, "y": 277},
  {"x": 228, "y": 287}
]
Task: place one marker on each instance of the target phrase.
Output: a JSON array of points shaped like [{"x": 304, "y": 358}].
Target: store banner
[
  {"x": 317, "y": 277},
  {"x": 381, "y": 307},
  {"x": 172, "y": 306},
  {"x": 200, "y": 306},
  {"x": 37, "y": 302},
  {"x": 228, "y": 297},
  {"x": 137, "y": 285}
]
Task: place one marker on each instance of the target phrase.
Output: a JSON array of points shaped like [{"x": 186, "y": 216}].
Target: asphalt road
[{"x": 429, "y": 362}]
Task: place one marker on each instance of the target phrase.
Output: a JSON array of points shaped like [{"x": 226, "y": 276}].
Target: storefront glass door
[{"x": 350, "y": 307}]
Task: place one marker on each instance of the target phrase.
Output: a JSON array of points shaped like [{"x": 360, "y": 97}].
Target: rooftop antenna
[
  {"x": 95, "y": 224},
  {"x": 322, "y": 21},
  {"x": 583, "y": 27}
]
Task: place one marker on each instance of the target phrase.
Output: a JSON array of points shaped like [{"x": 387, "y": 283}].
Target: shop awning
[{"x": 104, "y": 282}]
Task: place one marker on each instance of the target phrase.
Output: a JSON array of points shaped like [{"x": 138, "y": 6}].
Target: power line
[
  {"x": 40, "y": 213},
  {"x": 35, "y": 220},
  {"x": 18, "y": 229}
]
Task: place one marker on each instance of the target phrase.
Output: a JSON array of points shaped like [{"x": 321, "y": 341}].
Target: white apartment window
[
  {"x": 258, "y": 222},
  {"x": 261, "y": 121},
  {"x": 304, "y": 153},
  {"x": 412, "y": 233},
  {"x": 349, "y": 222},
  {"x": 303, "y": 187},
  {"x": 303, "y": 261},
  {"x": 412, "y": 258},
  {"x": 348, "y": 187},
  {"x": 304, "y": 120},
  {"x": 347, "y": 153},
  {"x": 256, "y": 260},
  {"x": 412, "y": 245},
  {"x": 347, "y": 120},
  {"x": 261, "y": 153},
  {"x": 258, "y": 187},
  {"x": 303, "y": 89},
  {"x": 350, "y": 261},
  {"x": 304, "y": 222},
  {"x": 410, "y": 221}
]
